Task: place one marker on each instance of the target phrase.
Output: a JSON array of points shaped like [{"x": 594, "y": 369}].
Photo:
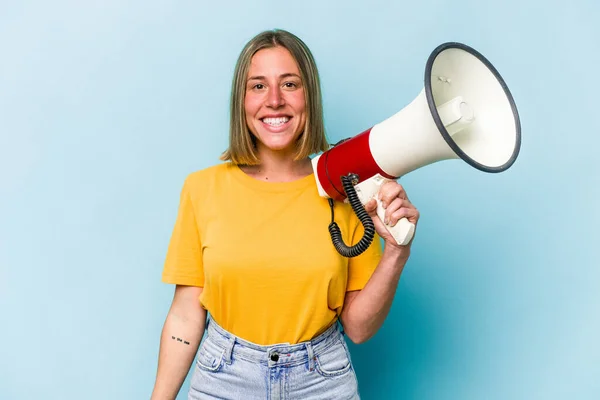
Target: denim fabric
[{"x": 228, "y": 367}]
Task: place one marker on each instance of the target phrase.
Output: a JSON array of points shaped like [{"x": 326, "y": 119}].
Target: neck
[{"x": 278, "y": 167}]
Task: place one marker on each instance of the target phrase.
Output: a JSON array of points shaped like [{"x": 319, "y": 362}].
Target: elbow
[
  {"x": 356, "y": 331},
  {"x": 357, "y": 340},
  {"x": 358, "y": 337}
]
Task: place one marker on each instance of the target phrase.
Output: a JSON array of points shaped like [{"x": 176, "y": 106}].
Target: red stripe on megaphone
[{"x": 351, "y": 156}]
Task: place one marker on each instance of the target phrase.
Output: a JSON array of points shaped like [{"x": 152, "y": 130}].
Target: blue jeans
[{"x": 228, "y": 367}]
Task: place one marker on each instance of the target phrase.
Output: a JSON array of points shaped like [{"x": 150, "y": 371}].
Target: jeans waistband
[{"x": 283, "y": 354}]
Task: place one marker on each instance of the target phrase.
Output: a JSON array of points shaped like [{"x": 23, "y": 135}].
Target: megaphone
[{"x": 465, "y": 111}]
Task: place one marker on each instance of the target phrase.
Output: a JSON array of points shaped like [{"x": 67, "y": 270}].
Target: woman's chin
[{"x": 281, "y": 144}]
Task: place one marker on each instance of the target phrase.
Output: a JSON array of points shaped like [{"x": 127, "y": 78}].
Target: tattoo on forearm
[{"x": 180, "y": 340}]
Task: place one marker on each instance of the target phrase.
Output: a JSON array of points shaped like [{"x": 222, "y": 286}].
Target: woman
[{"x": 251, "y": 247}]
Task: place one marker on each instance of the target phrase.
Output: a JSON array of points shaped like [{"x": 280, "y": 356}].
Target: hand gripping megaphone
[{"x": 464, "y": 111}]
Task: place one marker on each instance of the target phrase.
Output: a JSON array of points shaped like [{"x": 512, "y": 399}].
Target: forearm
[
  {"x": 179, "y": 342},
  {"x": 363, "y": 317}
]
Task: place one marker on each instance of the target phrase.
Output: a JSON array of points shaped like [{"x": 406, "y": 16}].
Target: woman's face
[{"x": 274, "y": 102}]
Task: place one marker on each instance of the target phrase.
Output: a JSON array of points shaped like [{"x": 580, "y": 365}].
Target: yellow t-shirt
[{"x": 263, "y": 254}]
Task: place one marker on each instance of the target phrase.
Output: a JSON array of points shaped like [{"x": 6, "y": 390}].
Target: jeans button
[{"x": 274, "y": 357}]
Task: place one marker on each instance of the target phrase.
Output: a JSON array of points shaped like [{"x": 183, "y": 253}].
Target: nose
[{"x": 275, "y": 97}]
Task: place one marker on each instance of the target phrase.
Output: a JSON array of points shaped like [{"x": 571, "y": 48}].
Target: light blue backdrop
[{"x": 105, "y": 107}]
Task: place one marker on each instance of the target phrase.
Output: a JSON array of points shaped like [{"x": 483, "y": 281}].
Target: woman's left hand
[{"x": 397, "y": 206}]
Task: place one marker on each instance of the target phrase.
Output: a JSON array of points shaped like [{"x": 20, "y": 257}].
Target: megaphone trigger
[{"x": 403, "y": 230}]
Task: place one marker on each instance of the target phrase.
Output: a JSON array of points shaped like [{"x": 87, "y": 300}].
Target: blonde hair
[{"x": 242, "y": 148}]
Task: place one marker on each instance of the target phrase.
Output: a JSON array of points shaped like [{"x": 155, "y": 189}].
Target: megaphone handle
[
  {"x": 368, "y": 189},
  {"x": 402, "y": 232}
]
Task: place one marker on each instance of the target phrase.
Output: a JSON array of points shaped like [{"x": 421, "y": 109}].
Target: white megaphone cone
[{"x": 464, "y": 111}]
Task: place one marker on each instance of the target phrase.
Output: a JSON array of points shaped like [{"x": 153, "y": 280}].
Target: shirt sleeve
[
  {"x": 183, "y": 264},
  {"x": 361, "y": 267}
]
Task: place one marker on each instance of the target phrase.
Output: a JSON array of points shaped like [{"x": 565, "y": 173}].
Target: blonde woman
[{"x": 251, "y": 255}]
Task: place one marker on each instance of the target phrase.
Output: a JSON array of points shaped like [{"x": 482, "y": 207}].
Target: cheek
[
  {"x": 299, "y": 103},
  {"x": 251, "y": 106}
]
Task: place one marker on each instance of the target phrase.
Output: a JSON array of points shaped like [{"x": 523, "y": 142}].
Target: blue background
[{"x": 106, "y": 106}]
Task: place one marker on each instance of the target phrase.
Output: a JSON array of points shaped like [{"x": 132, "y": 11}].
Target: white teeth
[{"x": 276, "y": 121}]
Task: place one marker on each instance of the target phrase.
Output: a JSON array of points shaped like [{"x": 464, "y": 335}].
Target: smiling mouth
[{"x": 275, "y": 122}]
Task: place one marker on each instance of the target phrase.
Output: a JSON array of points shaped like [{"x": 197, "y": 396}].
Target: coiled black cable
[{"x": 348, "y": 183}]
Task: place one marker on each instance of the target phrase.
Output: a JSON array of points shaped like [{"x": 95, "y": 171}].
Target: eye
[
  {"x": 291, "y": 85},
  {"x": 258, "y": 86}
]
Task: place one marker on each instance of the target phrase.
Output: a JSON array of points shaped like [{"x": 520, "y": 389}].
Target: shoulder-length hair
[{"x": 242, "y": 144}]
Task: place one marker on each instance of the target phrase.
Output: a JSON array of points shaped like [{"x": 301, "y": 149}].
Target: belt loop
[
  {"x": 229, "y": 349},
  {"x": 311, "y": 356}
]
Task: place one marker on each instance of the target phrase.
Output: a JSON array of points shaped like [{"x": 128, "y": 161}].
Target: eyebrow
[{"x": 288, "y": 75}]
